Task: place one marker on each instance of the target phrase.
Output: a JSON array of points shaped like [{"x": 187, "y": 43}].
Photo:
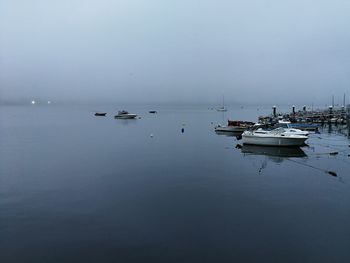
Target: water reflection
[{"x": 284, "y": 152}]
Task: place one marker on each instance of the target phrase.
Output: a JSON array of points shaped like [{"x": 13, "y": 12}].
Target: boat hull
[
  {"x": 100, "y": 114},
  {"x": 230, "y": 129},
  {"x": 305, "y": 126},
  {"x": 125, "y": 116},
  {"x": 273, "y": 140}
]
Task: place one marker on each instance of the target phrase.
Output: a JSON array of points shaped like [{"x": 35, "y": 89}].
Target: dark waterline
[{"x": 80, "y": 188}]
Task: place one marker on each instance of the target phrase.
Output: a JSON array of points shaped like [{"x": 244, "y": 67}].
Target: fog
[{"x": 252, "y": 51}]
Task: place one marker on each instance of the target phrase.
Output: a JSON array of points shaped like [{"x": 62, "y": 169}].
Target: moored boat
[
  {"x": 286, "y": 125},
  {"x": 100, "y": 114},
  {"x": 306, "y": 126},
  {"x": 125, "y": 115},
  {"x": 234, "y": 126},
  {"x": 222, "y": 108},
  {"x": 276, "y": 137}
]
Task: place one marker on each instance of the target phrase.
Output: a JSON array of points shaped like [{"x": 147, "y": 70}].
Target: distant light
[
  {"x": 48, "y": 102},
  {"x": 33, "y": 102}
]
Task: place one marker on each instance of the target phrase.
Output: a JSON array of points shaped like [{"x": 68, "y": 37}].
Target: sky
[{"x": 251, "y": 51}]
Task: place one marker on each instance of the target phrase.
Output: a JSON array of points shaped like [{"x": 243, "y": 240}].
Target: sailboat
[{"x": 222, "y": 108}]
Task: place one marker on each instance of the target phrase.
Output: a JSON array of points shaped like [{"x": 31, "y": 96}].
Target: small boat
[
  {"x": 276, "y": 137},
  {"x": 100, "y": 114},
  {"x": 152, "y": 111},
  {"x": 306, "y": 126},
  {"x": 286, "y": 125},
  {"x": 222, "y": 108},
  {"x": 234, "y": 126},
  {"x": 125, "y": 115},
  {"x": 238, "y": 135}
]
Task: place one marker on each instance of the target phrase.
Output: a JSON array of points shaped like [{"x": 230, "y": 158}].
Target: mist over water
[{"x": 185, "y": 51}]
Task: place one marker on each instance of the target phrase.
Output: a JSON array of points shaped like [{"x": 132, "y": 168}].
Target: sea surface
[{"x": 80, "y": 188}]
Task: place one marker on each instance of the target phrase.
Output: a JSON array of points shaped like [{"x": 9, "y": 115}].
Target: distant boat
[
  {"x": 125, "y": 115},
  {"x": 100, "y": 114},
  {"x": 276, "y": 137},
  {"x": 152, "y": 111},
  {"x": 222, "y": 108},
  {"x": 234, "y": 126}
]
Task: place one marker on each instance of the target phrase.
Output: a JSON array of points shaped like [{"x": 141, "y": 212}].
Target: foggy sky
[{"x": 175, "y": 50}]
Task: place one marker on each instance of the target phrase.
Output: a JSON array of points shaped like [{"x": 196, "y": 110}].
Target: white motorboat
[
  {"x": 125, "y": 115},
  {"x": 276, "y": 137}
]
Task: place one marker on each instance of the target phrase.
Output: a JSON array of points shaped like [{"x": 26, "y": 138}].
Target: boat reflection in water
[{"x": 284, "y": 152}]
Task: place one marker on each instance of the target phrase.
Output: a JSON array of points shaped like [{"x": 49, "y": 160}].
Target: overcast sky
[{"x": 175, "y": 50}]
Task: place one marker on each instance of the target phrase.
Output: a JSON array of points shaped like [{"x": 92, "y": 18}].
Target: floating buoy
[{"x": 151, "y": 135}]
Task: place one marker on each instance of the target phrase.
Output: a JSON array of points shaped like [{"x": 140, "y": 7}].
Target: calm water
[{"x": 79, "y": 188}]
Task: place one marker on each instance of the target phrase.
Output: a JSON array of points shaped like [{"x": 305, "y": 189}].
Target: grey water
[{"x": 80, "y": 188}]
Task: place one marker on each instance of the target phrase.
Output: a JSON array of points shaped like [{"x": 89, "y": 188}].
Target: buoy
[
  {"x": 182, "y": 130},
  {"x": 151, "y": 135}
]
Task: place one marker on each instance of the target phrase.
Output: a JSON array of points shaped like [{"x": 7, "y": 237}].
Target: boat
[
  {"x": 238, "y": 135},
  {"x": 222, "y": 108},
  {"x": 286, "y": 125},
  {"x": 234, "y": 126},
  {"x": 306, "y": 126},
  {"x": 276, "y": 137},
  {"x": 152, "y": 111},
  {"x": 125, "y": 115},
  {"x": 100, "y": 114}
]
